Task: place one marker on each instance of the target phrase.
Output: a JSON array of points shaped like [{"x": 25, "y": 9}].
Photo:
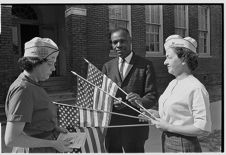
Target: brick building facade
[{"x": 82, "y": 31}]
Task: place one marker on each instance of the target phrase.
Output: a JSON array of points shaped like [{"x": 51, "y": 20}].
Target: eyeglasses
[{"x": 51, "y": 63}]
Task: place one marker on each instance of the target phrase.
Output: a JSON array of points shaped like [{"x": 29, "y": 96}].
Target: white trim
[
  {"x": 204, "y": 55},
  {"x": 75, "y": 11},
  {"x": 129, "y": 18},
  {"x": 160, "y": 53},
  {"x": 187, "y": 21}
]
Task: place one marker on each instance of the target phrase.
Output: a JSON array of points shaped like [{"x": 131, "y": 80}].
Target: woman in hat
[
  {"x": 31, "y": 116},
  {"x": 184, "y": 105}
]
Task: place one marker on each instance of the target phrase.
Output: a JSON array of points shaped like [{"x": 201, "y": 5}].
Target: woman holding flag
[
  {"x": 31, "y": 116},
  {"x": 184, "y": 105}
]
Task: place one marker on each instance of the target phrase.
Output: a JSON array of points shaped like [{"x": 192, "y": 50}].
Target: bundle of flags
[
  {"x": 94, "y": 100},
  {"x": 69, "y": 118}
]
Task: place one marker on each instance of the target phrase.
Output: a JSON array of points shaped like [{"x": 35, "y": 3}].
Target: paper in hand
[{"x": 78, "y": 139}]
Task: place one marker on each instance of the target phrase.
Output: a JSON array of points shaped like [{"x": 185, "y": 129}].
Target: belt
[{"x": 170, "y": 134}]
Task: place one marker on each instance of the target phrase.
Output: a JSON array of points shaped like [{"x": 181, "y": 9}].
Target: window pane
[
  {"x": 180, "y": 16},
  {"x": 203, "y": 29},
  {"x": 118, "y": 16},
  {"x": 202, "y": 42},
  {"x": 152, "y": 14},
  {"x": 202, "y": 16}
]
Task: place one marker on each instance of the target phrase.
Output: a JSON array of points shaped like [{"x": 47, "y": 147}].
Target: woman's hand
[
  {"x": 143, "y": 118},
  {"x": 161, "y": 124},
  {"x": 63, "y": 145},
  {"x": 60, "y": 129}
]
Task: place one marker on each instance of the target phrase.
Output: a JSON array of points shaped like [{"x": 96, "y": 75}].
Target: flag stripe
[
  {"x": 89, "y": 141},
  {"x": 96, "y": 137},
  {"x": 81, "y": 117}
]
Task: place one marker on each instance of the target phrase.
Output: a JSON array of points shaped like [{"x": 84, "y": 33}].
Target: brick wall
[
  {"x": 97, "y": 34},
  {"x": 168, "y": 21},
  {"x": 7, "y": 75},
  {"x": 7, "y": 63},
  {"x": 138, "y": 29},
  {"x": 77, "y": 40}
]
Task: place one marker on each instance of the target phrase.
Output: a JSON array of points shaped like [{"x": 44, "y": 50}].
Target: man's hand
[
  {"x": 154, "y": 114},
  {"x": 118, "y": 104},
  {"x": 134, "y": 99}
]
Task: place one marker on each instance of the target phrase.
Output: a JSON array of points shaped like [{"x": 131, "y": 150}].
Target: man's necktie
[{"x": 122, "y": 67}]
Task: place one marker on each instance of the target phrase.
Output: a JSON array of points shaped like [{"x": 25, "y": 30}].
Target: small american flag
[
  {"x": 68, "y": 117},
  {"x": 89, "y": 95},
  {"x": 102, "y": 101}
]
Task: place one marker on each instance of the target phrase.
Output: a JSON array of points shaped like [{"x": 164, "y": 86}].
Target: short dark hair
[
  {"x": 29, "y": 63},
  {"x": 120, "y": 29},
  {"x": 188, "y": 56}
]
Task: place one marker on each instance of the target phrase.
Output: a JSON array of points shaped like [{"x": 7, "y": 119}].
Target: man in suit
[{"x": 135, "y": 75}]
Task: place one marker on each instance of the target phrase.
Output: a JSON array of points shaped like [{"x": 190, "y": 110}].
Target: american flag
[
  {"x": 90, "y": 118},
  {"x": 89, "y": 95},
  {"x": 102, "y": 100},
  {"x": 68, "y": 117}
]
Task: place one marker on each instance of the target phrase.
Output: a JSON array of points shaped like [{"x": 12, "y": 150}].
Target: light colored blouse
[{"x": 186, "y": 102}]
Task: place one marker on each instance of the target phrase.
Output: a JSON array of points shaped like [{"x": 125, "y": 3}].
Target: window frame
[
  {"x": 186, "y": 28},
  {"x": 207, "y": 54},
  {"x": 159, "y": 53},
  {"x": 112, "y": 53}
]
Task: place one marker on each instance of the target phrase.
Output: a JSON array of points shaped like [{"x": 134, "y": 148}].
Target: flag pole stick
[
  {"x": 111, "y": 95},
  {"x": 121, "y": 126},
  {"x": 153, "y": 117},
  {"x": 97, "y": 110}
]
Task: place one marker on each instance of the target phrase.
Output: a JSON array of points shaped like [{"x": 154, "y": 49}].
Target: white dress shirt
[{"x": 126, "y": 65}]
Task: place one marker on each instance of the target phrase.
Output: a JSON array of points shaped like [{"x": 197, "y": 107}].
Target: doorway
[{"x": 27, "y": 33}]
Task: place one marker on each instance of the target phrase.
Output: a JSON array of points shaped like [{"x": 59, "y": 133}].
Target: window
[
  {"x": 181, "y": 20},
  {"x": 154, "y": 30},
  {"x": 204, "y": 29},
  {"x": 119, "y": 16}
]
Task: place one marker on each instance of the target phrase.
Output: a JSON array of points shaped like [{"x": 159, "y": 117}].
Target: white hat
[
  {"x": 178, "y": 41},
  {"x": 40, "y": 47}
]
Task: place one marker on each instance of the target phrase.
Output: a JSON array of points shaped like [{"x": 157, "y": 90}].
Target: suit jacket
[{"x": 140, "y": 79}]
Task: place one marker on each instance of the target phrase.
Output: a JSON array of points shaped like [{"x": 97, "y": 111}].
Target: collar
[
  {"x": 127, "y": 59},
  {"x": 28, "y": 79}
]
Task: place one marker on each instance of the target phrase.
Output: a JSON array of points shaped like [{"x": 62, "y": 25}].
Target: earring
[{"x": 183, "y": 63}]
